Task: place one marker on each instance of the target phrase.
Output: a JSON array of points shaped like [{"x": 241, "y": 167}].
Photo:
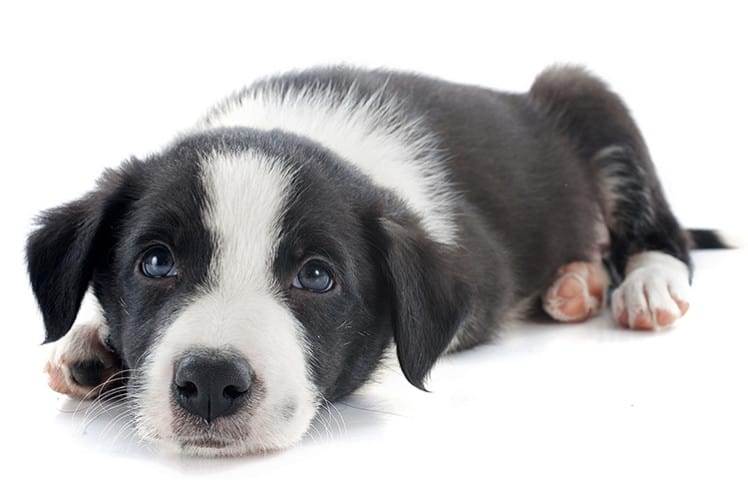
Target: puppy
[{"x": 263, "y": 262}]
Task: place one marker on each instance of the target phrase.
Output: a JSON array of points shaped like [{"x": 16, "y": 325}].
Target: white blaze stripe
[
  {"x": 247, "y": 196},
  {"x": 395, "y": 151},
  {"x": 241, "y": 309}
]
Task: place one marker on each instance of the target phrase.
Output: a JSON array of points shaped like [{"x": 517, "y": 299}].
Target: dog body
[{"x": 263, "y": 262}]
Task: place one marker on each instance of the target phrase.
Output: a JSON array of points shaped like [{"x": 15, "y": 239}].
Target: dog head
[{"x": 245, "y": 277}]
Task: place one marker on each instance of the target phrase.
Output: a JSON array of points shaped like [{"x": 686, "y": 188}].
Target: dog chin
[
  {"x": 210, "y": 447},
  {"x": 245, "y": 434},
  {"x": 214, "y": 446}
]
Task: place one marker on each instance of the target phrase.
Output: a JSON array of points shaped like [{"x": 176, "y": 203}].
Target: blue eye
[
  {"x": 314, "y": 277},
  {"x": 158, "y": 263}
]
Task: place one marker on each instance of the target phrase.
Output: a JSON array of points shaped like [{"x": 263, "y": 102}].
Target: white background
[{"x": 85, "y": 85}]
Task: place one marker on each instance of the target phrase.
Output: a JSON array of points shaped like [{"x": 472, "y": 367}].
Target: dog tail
[{"x": 702, "y": 239}]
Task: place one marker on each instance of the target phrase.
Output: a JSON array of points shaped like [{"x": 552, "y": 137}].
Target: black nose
[{"x": 212, "y": 384}]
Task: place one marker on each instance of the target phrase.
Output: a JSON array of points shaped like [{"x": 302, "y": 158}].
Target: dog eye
[
  {"x": 158, "y": 263},
  {"x": 314, "y": 277}
]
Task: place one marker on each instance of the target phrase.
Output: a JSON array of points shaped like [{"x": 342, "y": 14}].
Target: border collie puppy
[{"x": 263, "y": 262}]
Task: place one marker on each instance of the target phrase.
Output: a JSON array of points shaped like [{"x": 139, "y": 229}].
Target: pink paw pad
[{"x": 578, "y": 292}]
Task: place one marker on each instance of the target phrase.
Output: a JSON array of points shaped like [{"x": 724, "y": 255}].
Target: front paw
[{"x": 81, "y": 365}]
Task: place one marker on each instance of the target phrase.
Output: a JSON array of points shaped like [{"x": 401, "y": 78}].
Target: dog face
[{"x": 245, "y": 278}]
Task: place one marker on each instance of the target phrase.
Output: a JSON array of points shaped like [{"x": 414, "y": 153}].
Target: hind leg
[{"x": 648, "y": 248}]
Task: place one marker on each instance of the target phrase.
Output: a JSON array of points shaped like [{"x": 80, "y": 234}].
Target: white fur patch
[
  {"x": 240, "y": 311},
  {"x": 83, "y": 343},
  {"x": 395, "y": 151},
  {"x": 653, "y": 282}
]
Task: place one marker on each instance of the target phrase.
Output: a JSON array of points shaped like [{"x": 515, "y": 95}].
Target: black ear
[
  {"x": 65, "y": 248},
  {"x": 427, "y": 296}
]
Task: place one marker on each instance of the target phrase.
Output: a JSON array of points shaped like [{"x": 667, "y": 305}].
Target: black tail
[{"x": 706, "y": 240}]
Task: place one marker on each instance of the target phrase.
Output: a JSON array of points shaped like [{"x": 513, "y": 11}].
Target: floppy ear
[
  {"x": 427, "y": 297},
  {"x": 66, "y": 247}
]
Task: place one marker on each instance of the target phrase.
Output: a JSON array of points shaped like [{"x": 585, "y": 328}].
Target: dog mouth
[
  {"x": 210, "y": 439},
  {"x": 209, "y": 446},
  {"x": 206, "y": 442}
]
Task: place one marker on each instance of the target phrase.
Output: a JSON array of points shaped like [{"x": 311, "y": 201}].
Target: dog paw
[
  {"x": 81, "y": 365},
  {"x": 654, "y": 293},
  {"x": 578, "y": 292}
]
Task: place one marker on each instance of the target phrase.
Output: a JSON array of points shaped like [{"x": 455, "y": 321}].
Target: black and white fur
[{"x": 440, "y": 209}]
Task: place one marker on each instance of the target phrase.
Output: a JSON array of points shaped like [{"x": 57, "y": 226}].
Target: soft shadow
[
  {"x": 107, "y": 426},
  {"x": 104, "y": 425}
]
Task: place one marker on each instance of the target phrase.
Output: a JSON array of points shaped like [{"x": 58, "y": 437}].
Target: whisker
[
  {"x": 101, "y": 403},
  {"x": 337, "y": 417},
  {"x": 111, "y": 423},
  {"x": 90, "y": 419},
  {"x": 326, "y": 420},
  {"x": 316, "y": 437},
  {"x": 128, "y": 427},
  {"x": 372, "y": 410},
  {"x": 99, "y": 396}
]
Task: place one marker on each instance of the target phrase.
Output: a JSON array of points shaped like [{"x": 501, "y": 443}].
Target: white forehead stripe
[
  {"x": 247, "y": 196},
  {"x": 374, "y": 134}
]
